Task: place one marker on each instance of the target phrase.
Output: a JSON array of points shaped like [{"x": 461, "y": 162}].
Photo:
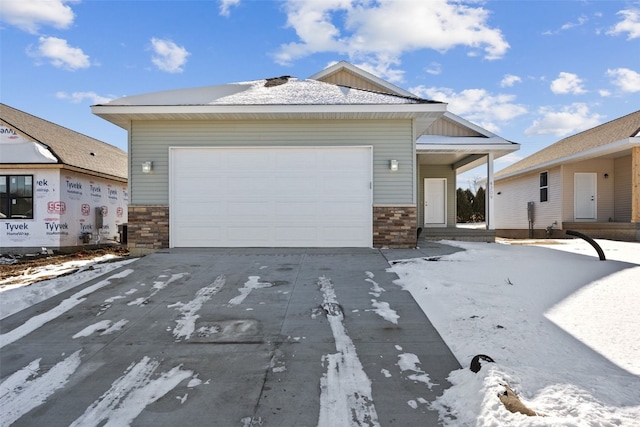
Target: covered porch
[{"x": 451, "y": 147}]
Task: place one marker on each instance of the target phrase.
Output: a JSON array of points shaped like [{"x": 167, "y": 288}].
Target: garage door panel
[
  {"x": 248, "y": 233},
  {"x": 303, "y": 160},
  {"x": 264, "y": 197}
]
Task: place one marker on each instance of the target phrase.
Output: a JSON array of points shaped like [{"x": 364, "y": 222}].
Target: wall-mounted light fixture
[
  {"x": 606, "y": 176},
  {"x": 146, "y": 167},
  {"x": 393, "y": 165}
]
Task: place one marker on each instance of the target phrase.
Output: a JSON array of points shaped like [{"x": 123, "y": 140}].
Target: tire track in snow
[
  {"x": 186, "y": 325},
  {"x": 345, "y": 389},
  {"x": 130, "y": 394},
  {"x": 381, "y": 308},
  {"x": 19, "y": 394},
  {"x": 41, "y": 319},
  {"x": 253, "y": 283}
]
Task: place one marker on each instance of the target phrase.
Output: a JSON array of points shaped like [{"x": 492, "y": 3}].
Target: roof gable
[
  {"x": 70, "y": 147},
  {"x": 451, "y": 125},
  {"x": 344, "y": 74}
]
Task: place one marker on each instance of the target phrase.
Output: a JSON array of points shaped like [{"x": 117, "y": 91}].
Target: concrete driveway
[{"x": 233, "y": 337}]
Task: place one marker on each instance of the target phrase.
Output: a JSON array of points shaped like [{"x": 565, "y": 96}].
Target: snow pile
[{"x": 560, "y": 324}]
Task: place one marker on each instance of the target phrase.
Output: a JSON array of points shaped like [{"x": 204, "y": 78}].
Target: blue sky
[{"x": 531, "y": 71}]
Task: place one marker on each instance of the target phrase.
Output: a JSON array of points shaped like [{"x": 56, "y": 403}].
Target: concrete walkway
[{"x": 233, "y": 337}]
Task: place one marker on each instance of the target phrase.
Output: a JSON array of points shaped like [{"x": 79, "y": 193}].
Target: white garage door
[{"x": 270, "y": 197}]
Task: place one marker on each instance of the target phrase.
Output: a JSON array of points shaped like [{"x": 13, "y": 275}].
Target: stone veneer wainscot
[
  {"x": 148, "y": 228},
  {"x": 394, "y": 226}
]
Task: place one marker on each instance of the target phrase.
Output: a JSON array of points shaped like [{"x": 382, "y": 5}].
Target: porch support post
[
  {"x": 489, "y": 212},
  {"x": 635, "y": 184}
]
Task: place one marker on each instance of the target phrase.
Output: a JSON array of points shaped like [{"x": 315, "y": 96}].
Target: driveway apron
[{"x": 228, "y": 337}]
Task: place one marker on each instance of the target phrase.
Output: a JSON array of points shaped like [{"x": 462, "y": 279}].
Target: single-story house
[
  {"x": 341, "y": 159},
  {"x": 59, "y": 189},
  {"x": 588, "y": 182}
]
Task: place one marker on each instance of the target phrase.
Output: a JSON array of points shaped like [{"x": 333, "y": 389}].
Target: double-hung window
[
  {"x": 544, "y": 187},
  {"x": 16, "y": 196}
]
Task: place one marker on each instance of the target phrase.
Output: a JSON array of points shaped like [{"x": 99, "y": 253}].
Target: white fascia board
[
  {"x": 614, "y": 147},
  {"x": 268, "y": 109},
  {"x": 474, "y": 148}
]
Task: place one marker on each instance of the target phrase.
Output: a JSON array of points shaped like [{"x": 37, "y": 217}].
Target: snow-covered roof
[
  {"x": 278, "y": 91},
  {"x": 280, "y": 98}
]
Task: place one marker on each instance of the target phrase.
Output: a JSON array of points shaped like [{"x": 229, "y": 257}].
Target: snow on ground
[
  {"x": 25, "y": 291},
  {"x": 561, "y": 325}
]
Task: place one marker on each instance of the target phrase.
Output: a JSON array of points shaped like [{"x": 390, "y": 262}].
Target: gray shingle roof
[
  {"x": 70, "y": 147},
  {"x": 599, "y": 136}
]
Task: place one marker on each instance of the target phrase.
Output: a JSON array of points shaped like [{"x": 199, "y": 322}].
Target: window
[
  {"x": 544, "y": 187},
  {"x": 16, "y": 196}
]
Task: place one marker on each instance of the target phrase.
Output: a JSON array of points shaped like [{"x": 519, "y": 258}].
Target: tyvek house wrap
[{"x": 64, "y": 202}]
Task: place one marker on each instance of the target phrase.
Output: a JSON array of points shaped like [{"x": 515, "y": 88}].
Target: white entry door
[
  {"x": 271, "y": 197},
  {"x": 585, "y": 196},
  {"x": 435, "y": 202}
]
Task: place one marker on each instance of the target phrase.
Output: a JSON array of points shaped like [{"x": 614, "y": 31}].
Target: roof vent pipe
[{"x": 276, "y": 81}]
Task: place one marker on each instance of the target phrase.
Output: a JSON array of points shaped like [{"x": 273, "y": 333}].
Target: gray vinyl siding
[
  {"x": 391, "y": 139},
  {"x": 622, "y": 189}
]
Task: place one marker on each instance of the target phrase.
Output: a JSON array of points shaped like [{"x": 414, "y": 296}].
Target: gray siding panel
[{"x": 391, "y": 139}]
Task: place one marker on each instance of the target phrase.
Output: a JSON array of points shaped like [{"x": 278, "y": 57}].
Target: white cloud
[
  {"x": 509, "y": 80},
  {"x": 570, "y": 119},
  {"x": 630, "y": 24},
  {"x": 567, "y": 83},
  {"x": 604, "y": 93},
  {"x": 627, "y": 80},
  {"x": 380, "y": 32},
  {"x": 434, "y": 68},
  {"x": 78, "y": 97},
  {"x": 168, "y": 56},
  {"x": 29, "y": 15},
  {"x": 476, "y": 105},
  {"x": 567, "y": 26},
  {"x": 225, "y": 6},
  {"x": 581, "y": 21},
  {"x": 61, "y": 55}
]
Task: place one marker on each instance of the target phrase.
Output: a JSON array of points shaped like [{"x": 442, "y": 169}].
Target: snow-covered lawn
[{"x": 561, "y": 325}]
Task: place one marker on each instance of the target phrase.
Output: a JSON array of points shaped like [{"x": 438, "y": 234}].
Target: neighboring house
[
  {"x": 337, "y": 160},
  {"x": 588, "y": 182},
  {"x": 58, "y": 189}
]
